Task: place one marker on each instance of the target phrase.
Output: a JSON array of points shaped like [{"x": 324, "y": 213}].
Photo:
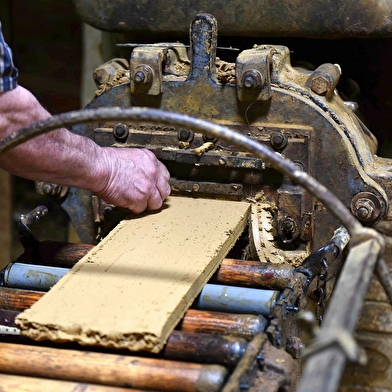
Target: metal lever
[{"x": 26, "y": 237}]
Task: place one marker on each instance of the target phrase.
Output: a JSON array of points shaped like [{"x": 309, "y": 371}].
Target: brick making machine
[{"x": 305, "y": 292}]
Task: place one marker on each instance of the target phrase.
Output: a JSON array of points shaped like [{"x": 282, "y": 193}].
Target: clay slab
[{"x": 131, "y": 290}]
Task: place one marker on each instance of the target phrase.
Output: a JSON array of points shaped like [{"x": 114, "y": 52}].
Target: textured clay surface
[{"x": 132, "y": 289}]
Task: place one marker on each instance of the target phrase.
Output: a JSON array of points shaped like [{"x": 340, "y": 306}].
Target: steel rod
[
  {"x": 241, "y": 325},
  {"x": 323, "y": 194},
  {"x": 212, "y": 297},
  {"x": 231, "y": 271},
  {"x": 233, "y": 299}
]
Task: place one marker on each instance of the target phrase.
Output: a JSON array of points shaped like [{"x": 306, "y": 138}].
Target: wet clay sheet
[{"x": 131, "y": 290}]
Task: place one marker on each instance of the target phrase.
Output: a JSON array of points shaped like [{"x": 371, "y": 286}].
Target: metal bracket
[
  {"x": 295, "y": 217},
  {"x": 253, "y": 74},
  {"x": 146, "y": 65}
]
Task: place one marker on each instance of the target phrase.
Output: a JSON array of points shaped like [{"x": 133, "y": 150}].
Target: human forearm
[
  {"x": 132, "y": 179},
  {"x": 59, "y": 156}
]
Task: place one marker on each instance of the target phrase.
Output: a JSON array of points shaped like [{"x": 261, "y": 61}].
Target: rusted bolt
[
  {"x": 49, "y": 189},
  {"x": 120, "y": 131},
  {"x": 366, "y": 206},
  {"x": 208, "y": 138},
  {"x": 143, "y": 75},
  {"x": 195, "y": 187},
  {"x": 252, "y": 79},
  {"x": 319, "y": 84},
  {"x": 365, "y": 209},
  {"x": 185, "y": 135},
  {"x": 288, "y": 225},
  {"x": 324, "y": 79},
  {"x": 278, "y": 141}
]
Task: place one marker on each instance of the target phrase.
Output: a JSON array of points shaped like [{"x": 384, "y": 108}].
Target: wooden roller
[
  {"x": 12, "y": 383},
  {"x": 240, "y": 325},
  {"x": 110, "y": 369}
]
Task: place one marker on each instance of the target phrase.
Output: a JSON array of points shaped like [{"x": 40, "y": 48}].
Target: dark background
[{"x": 46, "y": 40}]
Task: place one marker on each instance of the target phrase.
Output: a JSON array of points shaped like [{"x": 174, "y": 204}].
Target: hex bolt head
[
  {"x": 252, "y": 79},
  {"x": 208, "y": 138},
  {"x": 364, "y": 209},
  {"x": 320, "y": 85},
  {"x": 121, "y": 131},
  {"x": 185, "y": 135},
  {"x": 278, "y": 141},
  {"x": 288, "y": 225},
  {"x": 143, "y": 75}
]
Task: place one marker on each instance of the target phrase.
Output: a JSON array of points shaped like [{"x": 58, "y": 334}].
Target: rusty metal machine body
[
  {"x": 296, "y": 112},
  {"x": 293, "y": 244}
]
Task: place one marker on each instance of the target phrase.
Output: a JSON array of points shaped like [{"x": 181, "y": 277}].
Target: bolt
[
  {"x": 320, "y": 84},
  {"x": 364, "y": 209},
  {"x": 185, "y": 135},
  {"x": 121, "y": 131},
  {"x": 196, "y": 187},
  {"x": 47, "y": 189},
  {"x": 107, "y": 210},
  {"x": 288, "y": 225},
  {"x": 139, "y": 77},
  {"x": 252, "y": 79},
  {"x": 249, "y": 82},
  {"x": 278, "y": 141},
  {"x": 143, "y": 75},
  {"x": 367, "y": 207},
  {"x": 208, "y": 138},
  {"x": 324, "y": 79}
]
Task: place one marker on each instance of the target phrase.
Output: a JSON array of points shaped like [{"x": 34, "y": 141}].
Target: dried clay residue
[
  {"x": 121, "y": 77},
  {"x": 262, "y": 237},
  {"x": 87, "y": 337},
  {"x": 225, "y": 71}
]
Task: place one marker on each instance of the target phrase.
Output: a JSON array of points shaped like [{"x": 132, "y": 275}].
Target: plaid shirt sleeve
[{"x": 8, "y": 71}]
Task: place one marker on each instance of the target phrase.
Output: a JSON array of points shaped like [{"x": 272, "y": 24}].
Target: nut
[
  {"x": 252, "y": 79},
  {"x": 143, "y": 75}
]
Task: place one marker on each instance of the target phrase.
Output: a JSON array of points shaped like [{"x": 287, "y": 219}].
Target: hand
[{"x": 135, "y": 179}]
